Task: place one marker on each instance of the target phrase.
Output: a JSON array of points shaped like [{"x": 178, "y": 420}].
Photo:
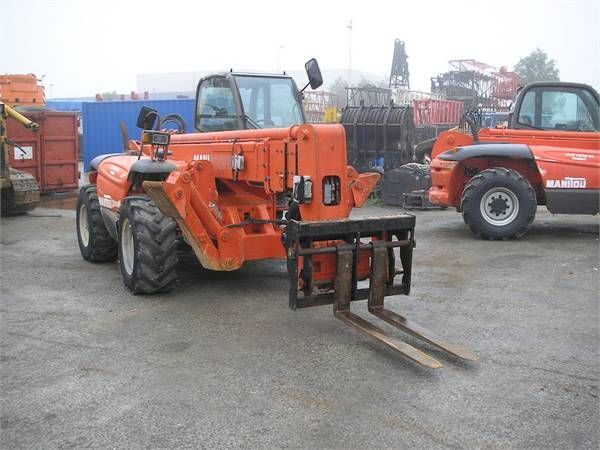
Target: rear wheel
[
  {"x": 498, "y": 203},
  {"x": 7, "y": 202},
  {"x": 147, "y": 247},
  {"x": 95, "y": 243}
]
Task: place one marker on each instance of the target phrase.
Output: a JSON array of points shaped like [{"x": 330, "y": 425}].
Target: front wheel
[
  {"x": 147, "y": 247},
  {"x": 95, "y": 243},
  {"x": 498, "y": 203}
]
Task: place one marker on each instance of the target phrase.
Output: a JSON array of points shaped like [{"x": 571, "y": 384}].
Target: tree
[
  {"x": 537, "y": 67},
  {"x": 382, "y": 84},
  {"x": 110, "y": 95}
]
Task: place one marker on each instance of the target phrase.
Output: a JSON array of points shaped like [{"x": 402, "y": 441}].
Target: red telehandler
[
  {"x": 549, "y": 155},
  {"x": 224, "y": 191}
]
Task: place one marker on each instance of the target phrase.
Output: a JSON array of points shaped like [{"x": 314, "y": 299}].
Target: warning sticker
[{"x": 24, "y": 152}]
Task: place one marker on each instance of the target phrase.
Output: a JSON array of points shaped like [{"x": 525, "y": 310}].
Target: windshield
[{"x": 269, "y": 102}]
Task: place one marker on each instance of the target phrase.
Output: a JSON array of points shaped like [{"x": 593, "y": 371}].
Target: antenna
[{"x": 350, "y": 53}]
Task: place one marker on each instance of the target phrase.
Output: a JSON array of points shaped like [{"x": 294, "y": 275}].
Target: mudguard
[
  {"x": 515, "y": 151},
  {"x": 151, "y": 167},
  {"x": 113, "y": 179},
  {"x": 94, "y": 163}
]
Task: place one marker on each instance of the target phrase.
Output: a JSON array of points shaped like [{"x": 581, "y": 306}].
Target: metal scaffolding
[
  {"x": 399, "y": 76},
  {"x": 316, "y": 102},
  {"x": 476, "y": 84},
  {"x": 368, "y": 96}
]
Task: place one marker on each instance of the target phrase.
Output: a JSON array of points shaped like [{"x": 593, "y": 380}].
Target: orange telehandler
[
  {"x": 549, "y": 155},
  {"x": 255, "y": 182}
]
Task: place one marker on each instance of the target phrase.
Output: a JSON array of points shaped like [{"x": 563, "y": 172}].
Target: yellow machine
[
  {"x": 19, "y": 190},
  {"x": 331, "y": 115}
]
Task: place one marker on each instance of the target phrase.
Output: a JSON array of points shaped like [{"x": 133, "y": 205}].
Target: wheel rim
[
  {"x": 499, "y": 206},
  {"x": 84, "y": 227},
  {"x": 127, "y": 252}
]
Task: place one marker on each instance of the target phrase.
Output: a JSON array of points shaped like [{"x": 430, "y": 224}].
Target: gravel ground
[{"x": 222, "y": 361}]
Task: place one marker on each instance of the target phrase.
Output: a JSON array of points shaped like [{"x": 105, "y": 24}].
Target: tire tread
[
  {"x": 470, "y": 191},
  {"x": 157, "y": 249},
  {"x": 103, "y": 246}
]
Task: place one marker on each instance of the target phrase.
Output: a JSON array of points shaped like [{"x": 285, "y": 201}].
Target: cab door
[{"x": 566, "y": 128}]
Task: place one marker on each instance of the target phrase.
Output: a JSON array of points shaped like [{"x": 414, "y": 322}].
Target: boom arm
[
  {"x": 8, "y": 111},
  {"x": 224, "y": 191}
]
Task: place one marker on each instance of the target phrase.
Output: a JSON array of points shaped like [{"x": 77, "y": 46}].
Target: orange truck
[
  {"x": 549, "y": 155},
  {"x": 254, "y": 182}
]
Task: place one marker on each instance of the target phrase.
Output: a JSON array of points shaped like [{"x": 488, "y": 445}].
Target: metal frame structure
[
  {"x": 316, "y": 102},
  {"x": 368, "y": 96},
  {"x": 399, "y": 75},
  {"x": 477, "y": 84}
]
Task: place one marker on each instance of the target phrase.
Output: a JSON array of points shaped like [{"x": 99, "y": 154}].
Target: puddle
[{"x": 59, "y": 200}]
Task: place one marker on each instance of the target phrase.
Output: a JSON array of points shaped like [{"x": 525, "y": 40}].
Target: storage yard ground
[{"x": 223, "y": 362}]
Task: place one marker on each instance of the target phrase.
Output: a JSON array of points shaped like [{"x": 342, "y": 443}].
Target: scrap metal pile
[{"x": 476, "y": 84}]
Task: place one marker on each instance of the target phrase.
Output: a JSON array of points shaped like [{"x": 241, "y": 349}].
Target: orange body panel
[
  {"x": 325, "y": 267},
  {"x": 559, "y": 158},
  {"x": 227, "y": 213},
  {"x": 21, "y": 90}
]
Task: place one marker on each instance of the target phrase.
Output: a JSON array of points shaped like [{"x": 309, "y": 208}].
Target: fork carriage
[{"x": 330, "y": 261}]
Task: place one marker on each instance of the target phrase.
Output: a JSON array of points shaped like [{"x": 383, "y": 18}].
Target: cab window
[
  {"x": 565, "y": 111},
  {"x": 215, "y": 109},
  {"x": 269, "y": 101},
  {"x": 527, "y": 112}
]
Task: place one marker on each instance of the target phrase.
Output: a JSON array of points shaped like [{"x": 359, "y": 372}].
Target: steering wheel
[
  {"x": 216, "y": 109},
  {"x": 526, "y": 120}
]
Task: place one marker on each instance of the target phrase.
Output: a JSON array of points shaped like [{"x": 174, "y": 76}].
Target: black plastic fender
[
  {"x": 150, "y": 166},
  {"x": 94, "y": 163},
  {"x": 513, "y": 151},
  {"x": 149, "y": 170}
]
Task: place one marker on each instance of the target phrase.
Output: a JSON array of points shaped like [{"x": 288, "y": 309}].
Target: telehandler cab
[
  {"x": 549, "y": 155},
  {"x": 224, "y": 191}
]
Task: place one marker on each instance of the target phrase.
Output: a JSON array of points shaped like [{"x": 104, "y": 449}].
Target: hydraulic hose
[{"x": 174, "y": 119}]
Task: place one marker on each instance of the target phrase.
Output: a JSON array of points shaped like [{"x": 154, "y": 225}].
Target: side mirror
[
  {"x": 147, "y": 118},
  {"x": 315, "y": 79}
]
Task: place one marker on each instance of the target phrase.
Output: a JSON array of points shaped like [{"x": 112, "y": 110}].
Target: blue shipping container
[
  {"x": 100, "y": 120},
  {"x": 64, "y": 105}
]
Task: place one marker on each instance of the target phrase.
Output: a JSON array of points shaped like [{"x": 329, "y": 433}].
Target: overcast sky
[{"x": 84, "y": 47}]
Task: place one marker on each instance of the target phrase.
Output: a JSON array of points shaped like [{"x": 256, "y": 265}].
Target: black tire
[
  {"x": 7, "y": 203},
  {"x": 147, "y": 247},
  {"x": 498, "y": 203},
  {"x": 95, "y": 243}
]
